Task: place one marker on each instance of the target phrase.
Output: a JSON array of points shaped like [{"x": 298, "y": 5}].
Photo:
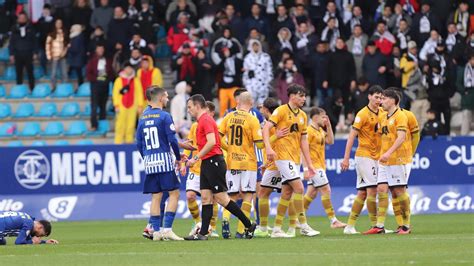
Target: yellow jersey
[
  {"x": 289, "y": 147},
  {"x": 242, "y": 130},
  {"x": 317, "y": 146},
  {"x": 390, "y": 126},
  {"x": 196, "y": 168},
  {"x": 367, "y": 124},
  {"x": 270, "y": 165},
  {"x": 412, "y": 129}
]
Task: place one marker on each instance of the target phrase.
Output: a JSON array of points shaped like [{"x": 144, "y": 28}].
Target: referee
[{"x": 213, "y": 170}]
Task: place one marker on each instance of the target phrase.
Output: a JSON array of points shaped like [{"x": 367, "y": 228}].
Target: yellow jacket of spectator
[
  {"x": 149, "y": 77},
  {"x": 131, "y": 98},
  {"x": 407, "y": 68}
]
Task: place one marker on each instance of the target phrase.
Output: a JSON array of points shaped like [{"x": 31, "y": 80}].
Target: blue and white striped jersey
[
  {"x": 157, "y": 142},
  {"x": 17, "y": 224}
]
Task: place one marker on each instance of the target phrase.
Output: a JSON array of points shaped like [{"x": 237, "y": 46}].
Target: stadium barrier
[{"x": 105, "y": 181}]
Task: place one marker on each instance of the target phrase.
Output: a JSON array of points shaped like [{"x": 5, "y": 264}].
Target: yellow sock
[
  {"x": 299, "y": 207},
  {"x": 372, "y": 209},
  {"x": 215, "y": 214},
  {"x": 226, "y": 215},
  {"x": 246, "y": 208},
  {"x": 327, "y": 205},
  {"x": 355, "y": 211},
  {"x": 292, "y": 214},
  {"x": 263, "y": 211},
  {"x": 397, "y": 211},
  {"x": 405, "y": 208},
  {"x": 307, "y": 201},
  {"x": 194, "y": 210},
  {"x": 382, "y": 210},
  {"x": 281, "y": 211}
]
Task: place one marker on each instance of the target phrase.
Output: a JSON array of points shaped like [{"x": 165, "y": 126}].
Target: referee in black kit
[{"x": 213, "y": 170}]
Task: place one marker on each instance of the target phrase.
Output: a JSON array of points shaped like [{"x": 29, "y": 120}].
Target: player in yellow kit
[
  {"x": 318, "y": 138},
  {"x": 286, "y": 153},
  {"x": 393, "y": 155},
  {"x": 365, "y": 128},
  {"x": 241, "y": 130}
]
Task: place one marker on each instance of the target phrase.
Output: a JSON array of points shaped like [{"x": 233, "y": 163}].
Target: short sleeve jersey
[
  {"x": 207, "y": 125},
  {"x": 367, "y": 124},
  {"x": 412, "y": 128},
  {"x": 196, "y": 168},
  {"x": 391, "y": 125},
  {"x": 317, "y": 146}
]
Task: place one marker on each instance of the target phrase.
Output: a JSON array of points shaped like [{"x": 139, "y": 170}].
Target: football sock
[
  {"x": 246, "y": 208},
  {"x": 155, "y": 221},
  {"x": 292, "y": 214},
  {"x": 281, "y": 211},
  {"x": 299, "y": 208},
  {"x": 372, "y": 209},
  {"x": 307, "y": 201},
  {"x": 237, "y": 212},
  {"x": 355, "y": 211},
  {"x": 397, "y": 211},
  {"x": 215, "y": 213},
  {"x": 194, "y": 210},
  {"x": 405, "y": 208},
  {"x": 257, "y": 214},
  {"x": 264, "y": 210},
  {"x": 206, "y": 215},
  {"x": 165, "y": 197},
  {"x": 382, "y": 210},
  {"x": 226, "y": 215},
  {"x": 327, "y": 205},
  {"x": 168, "y": 220}
]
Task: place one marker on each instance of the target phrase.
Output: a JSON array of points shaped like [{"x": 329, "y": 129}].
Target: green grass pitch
[{"x": 436, "y": 239}]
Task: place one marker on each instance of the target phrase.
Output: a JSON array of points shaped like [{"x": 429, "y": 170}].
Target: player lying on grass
[{"x": 25, "y": 228}]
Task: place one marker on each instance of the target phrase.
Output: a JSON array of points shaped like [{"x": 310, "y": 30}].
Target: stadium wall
[{"x": 104, "y": 181}]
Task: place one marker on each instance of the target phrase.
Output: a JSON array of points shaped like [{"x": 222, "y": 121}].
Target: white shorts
[
  {"x": 193, "y": 183},
  {"x": 289, "y": 170},
  {"x": 238, "y": 180},
  {"x": 393, "y": 175},
  {"x": 367, "y": 172},
  {"x": 320, "y": 179},
  {"x": 271, "y": 179}
]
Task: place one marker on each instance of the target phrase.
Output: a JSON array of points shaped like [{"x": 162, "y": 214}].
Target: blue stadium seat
[
  {"x": 63, "y": 90},
  {"x": 38, "y": 143},
  {"x": 4, "y": 54},
  {"x": 19, "y": 92},
  {"x": 10, "y": 73},
  {"x": 87, "y": 110},
  {"x": 47, "y": 110},
  {"x": 5, "y": 110},
  {"x": 62, "y": 142},
  {"x": 38, "y": 72},
  {"x": 7, "y": 129},
  {"x": 76, "y": 128},
  {"x": 15, "y": 143},
  {"x": 53, "y": 129},
  {"x": 42, "y": 90},
  {"x": 102, "y": 128},
  {"x": 84, "y": 90},
  {"x": 70, "y": 109},
  {"x": 2, "y": 91},
  {"x": 85, "y": 142},
  {"x": 24, "y": 110},
  {"x": 31, "y": 129}
]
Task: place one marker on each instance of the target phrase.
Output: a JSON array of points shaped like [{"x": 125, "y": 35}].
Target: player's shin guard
[
  {"x": 237, "y": 212},
  {"x": 307, "y": 202},
  {"x": 246, "y": 208},
  {"x": 372, "y": 209},
  {"x": 256, "y": 210},
  {"x": 327, "y": 205},
  {"x": 355, "y": 211},
  {"x": 155, "y": 221},
  {"x": 263, "y": 211},
  {"x": 206, "y": 219},
  {"x": 281, "y": 211},
  {"x": 292, "y": 214},
  {"x": 405, "y": 208},
  {"x": 194, "y": 210},
  {"x": 397, "y": 211},
  {"x": 215, "y": 213},
  {"x": 382, "y": 209},
  {"x": 299, "y": 208}
]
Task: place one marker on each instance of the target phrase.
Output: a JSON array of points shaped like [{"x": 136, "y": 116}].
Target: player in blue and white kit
[
  {"x": 25, "y": 228},
  {"x": 158, "y": 145}
]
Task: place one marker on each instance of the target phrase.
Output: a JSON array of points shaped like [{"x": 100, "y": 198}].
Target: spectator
[
  {"x": 303, "y": 41},
  {"x": 207, "y": 14},
  {"x": 416, "y": 92},
  {"x": 229, "y": 69},
  {"x": 99, "y": 73},
  {"x": 96, "y": 38},
  {"x": 6, "y": 22},
  {"x": 139, "y": 43},
  {"x": 132, "y": 10},
  {"x": 454, "y": 41},
  {"x": 430, "y": 44},
  {"x": 135, "y": 58},
  {"x": 410, "y": 6},
  {"x": 393, "y": 74},
  {"x": 101, "y": 16},
  {"x": 149, "y": 75},
  {"x": 44, "y": 26},
  {"x": 147, "y": 25},
  {"x": 283, "y": 42},
  {"x": 356, "y": 46},
  {"x": 226, "y": 41},
  {"x": 57, "y": 44},
  {"x": 375, "y": 66},
  {"x": 359, "y": 98},
  {"x": 256, "y": 21},
  {"x": 257, "y": 36},
  {"x": 403, "y": 35},
  {"x": 408, "y": 63},
  {"x": 383, "y": 39},
  {"x": 334, "y": 106},
  {"x": 331, "y": 33},
  {"x": 204, "y": 83},
  {"x": 424, "y": 23},
  {"x": 120, "y": 28},
  {"x": 433, "y": 126},
  {"x": 22, "y": 47},
  {"x": 220, "y": 23},
  {"x": 235, "y": 23},
  {"x": 288, "y": 76},
  {"x": 179, "y": 33},
  {"x": 467, "y": 100},
  {"x": 77, "y": 51},
  {"x": 331, "y": 12},
  {"x": 179, "y": 6},
  {"x": 357, "y": 19},
  {"x": 300, "y": 15},
  {"x": 81, "y": 14},
  {"x": 196, "y": 41},
  {"x": 397, "y": 18},
  {"x": 184, "y": 65},
  {"x": 319, "y": 62},
  {"x": 119, "y": 58},
  {"x": 282, "y": 21},
  {"x": 127, "y": 97},
  {"x": 258, "y": 72},
  {"x": 461, "y": 19},
  {"x": 178, "y": 110},
  {"x": 439, "y": 57}
]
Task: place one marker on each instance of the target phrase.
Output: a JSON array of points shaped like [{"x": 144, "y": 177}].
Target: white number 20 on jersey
[{"x": 151, "y": 138}]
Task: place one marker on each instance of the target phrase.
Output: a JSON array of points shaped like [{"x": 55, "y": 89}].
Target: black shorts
[{"x": 213, "y": 172}]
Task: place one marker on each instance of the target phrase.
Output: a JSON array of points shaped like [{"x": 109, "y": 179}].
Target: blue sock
[
  {"x": 165, "y": 197},
  {"x": 155, "y": 222},
  {"x": 257, "y": 219},
  {"x": 168, "y": 220},
  {"x": 239, "y": 203}
]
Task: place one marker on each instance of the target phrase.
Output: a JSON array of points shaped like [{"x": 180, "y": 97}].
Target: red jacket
[
  {"x": 177, "y": 35},
  {"x": 91, "y": 69}
]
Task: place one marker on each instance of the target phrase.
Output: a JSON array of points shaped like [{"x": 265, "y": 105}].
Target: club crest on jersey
[
  {"x": 32, "y": 169},
  {"x": 294, "y": 128},
  {"x": 385, "y": 130},
  {"x": 391, "y": 121}
]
